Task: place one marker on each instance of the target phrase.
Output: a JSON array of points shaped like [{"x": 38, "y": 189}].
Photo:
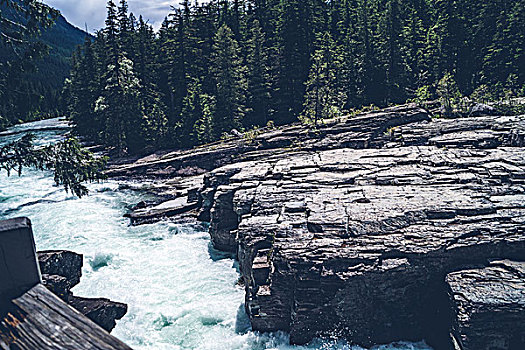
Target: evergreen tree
[
  {"x": 444, "y": 41},
  {"x": 294, "y": 60},
  {"x": 258, "y": 78},
  {"x": 155, "y": 119},
  {"x": 220, "y": 65},
  {"x": 20, "y": 49},
  {"x": 395, "y": 77},
  {"x": 508, "y": 42},
  {"x": 83, "y": 91},
  {"x": 124, "y": 29},
  {"x": 413, "y": 49},
  {"x": 120, "y": 106},
  {"x": 372, "y": 75},
  {"x": 325, "y": 96},
  {"x": 230, "y": 83},
  {"x": 448, "y": 93}
]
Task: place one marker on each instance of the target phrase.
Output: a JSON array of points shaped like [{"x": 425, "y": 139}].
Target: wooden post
[{"x": 19, "y": 270}]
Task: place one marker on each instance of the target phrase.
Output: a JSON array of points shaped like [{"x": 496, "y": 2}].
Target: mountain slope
[
  {"x": 37, "y": 92},
  {"x": 63, "y": 38}
]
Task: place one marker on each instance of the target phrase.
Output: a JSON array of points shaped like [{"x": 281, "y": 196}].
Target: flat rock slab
[{"x": 490, "y": 306}]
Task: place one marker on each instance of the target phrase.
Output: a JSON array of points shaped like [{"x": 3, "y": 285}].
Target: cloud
[{"x": 93, "y": 12}]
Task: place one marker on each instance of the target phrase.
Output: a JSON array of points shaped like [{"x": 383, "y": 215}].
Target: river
[{"x": 181, "y": 293}]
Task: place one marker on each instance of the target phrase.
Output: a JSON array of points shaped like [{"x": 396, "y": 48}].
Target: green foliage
[
  {"x": 422, "y": 95},
  {"x": 482, "y": 94},
  {"x": 258, "y": 77},
  {"x": 229, "y": 76},
  {"x": 449, "y": 94},
  {"x": 325, "y": 96},
  {"x": 223, "y": 65},
  {"x": 204, "y": 125},
  {"x": 251, "y": 135},
  {"x": 72, "y": 164}
]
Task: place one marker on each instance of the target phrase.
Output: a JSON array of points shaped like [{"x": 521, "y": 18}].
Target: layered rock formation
[
  {"x": 351, "y": 230},
  {"x": 489, "y": 305},
  {"x": 61, "y": 271}
]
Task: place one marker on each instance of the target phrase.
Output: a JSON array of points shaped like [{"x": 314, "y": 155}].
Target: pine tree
[
  {"x": 111, "y": 35},
  {"x": 516, "y": 43},
  {"x": 124, "y": 29},
  {"x": 413, "y": 48},
  {"x": 294, "y": 61},
  {"x": 258, "y": 78},
  {"x": 83, "y": 91},
  {"x": 220, "y": 65},
  {"x": 372, "y": 75},
  {"x": 346, "y": 31},
  {"x": 203, "y": 128},
  {"x": 155, "y": 120},
  {"x": 20, "y": 50},
  {"x": 230, "y": 83},
  {"x": 120, "y": 106},
  {"x": 444, "y": 41},
  {"x": 448, "y": 93},
  {"x": 394, "y": 73},
  {"x": 507, "y": 44},
  {"x": 325, "y": 96}
]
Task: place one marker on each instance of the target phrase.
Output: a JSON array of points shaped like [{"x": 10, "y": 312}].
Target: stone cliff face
[{"x": 367, "y": 228}]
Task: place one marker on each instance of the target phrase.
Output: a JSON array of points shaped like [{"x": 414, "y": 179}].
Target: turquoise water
[{"x": 181, "y": 293}]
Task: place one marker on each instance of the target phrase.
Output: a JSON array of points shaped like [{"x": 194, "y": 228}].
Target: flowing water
[{"x": 181, "y": 293}]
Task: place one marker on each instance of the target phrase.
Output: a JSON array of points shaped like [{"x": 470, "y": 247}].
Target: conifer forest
[{"x": 225, "y": 65}]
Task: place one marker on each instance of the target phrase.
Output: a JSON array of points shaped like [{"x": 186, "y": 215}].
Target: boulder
[
  {"x": 61, "y": 263},
  {"x": 61, "y": 270},
  {"x": 59, "y": 285},
  {"x": 481, "y": 109},
  {"x": 103, "y": 312},
  {"x": 489, "y": 305}
]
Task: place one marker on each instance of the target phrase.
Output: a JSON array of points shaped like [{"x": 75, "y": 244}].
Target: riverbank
[
  {"x": 181, "y": 292},
  {"x": 358, "y": 229}
]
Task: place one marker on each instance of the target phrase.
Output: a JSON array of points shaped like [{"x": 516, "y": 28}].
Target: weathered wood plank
[{"x": 39, "y": 320}]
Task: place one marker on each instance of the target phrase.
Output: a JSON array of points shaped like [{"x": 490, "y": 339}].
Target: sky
[{"x": 93, "y": 12}]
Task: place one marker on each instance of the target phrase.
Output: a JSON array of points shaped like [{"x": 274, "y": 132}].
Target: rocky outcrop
[
  {"x": 103, "y": 312},
  {"x": 181, "y": 199},
  {"x": 350, "y": 230},
  {"x": 357, "y": 132},
  {"x": 61, "y": 271},
  {"x": 359, "y": 242},
  {"x": 489, "y": 306}
]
